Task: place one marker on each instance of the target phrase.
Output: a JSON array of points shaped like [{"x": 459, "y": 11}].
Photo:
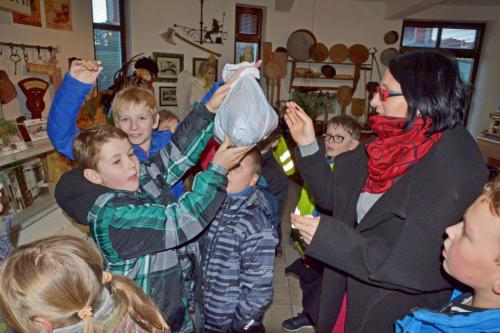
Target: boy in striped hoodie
[{"x": 235, "y": 284}]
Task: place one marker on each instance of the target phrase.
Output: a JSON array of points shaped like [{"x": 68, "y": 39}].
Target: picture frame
[
  {"x": 169, "y": 66},
  {"x": 167, "y": 96},
  {"x": 198, "y": 61},
  {"x": 11, "y": 140},
  {"x": 37, "y": 129}
]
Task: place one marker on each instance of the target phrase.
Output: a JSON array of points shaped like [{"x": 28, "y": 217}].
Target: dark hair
[
  {"x": 147, "y": 63},
  {"x": 167, "y": 115},
  {"x": 430, "y": 82},
  {"x": 348, "y": 123}
]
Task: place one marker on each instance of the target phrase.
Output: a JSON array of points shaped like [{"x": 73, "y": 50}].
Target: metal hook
[
  {"x": 25, "y": 55},
  {"x": 38, "y": 51}
]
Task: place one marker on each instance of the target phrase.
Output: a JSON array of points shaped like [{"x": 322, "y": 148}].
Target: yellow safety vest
[
  {"x": 283, "y": 157},
  {"x": 305, "y": 206}
]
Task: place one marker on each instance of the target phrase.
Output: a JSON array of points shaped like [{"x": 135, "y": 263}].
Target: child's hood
[{"x": 76, "y": 195}]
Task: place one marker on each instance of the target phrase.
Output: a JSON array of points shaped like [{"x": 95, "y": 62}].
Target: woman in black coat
[{"x": 393, "y": 197}]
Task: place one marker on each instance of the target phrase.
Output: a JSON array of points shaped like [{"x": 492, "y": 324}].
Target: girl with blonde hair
[{"x": 58, "y": 285}]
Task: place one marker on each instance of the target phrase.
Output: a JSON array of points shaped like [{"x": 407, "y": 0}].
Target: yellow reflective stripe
[
  {"x": 285, "y": 156},
  {"x": 289, "y": 166}
]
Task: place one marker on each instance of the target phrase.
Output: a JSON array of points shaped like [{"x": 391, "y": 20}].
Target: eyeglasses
[
  {"x": 335, "y": 138},
  {"x": 385, "y": 94}
]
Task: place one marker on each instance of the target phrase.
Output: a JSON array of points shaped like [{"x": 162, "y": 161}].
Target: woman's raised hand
[
  {"x": 85, "y": 71},
  {"x": 306, "y": 226},
  {"x": 300, "y": 124}
]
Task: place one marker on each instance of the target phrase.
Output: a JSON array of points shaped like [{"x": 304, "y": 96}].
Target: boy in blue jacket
[
  {"x": 134, "y": 112},
  {"x": 471, "y": 256}
]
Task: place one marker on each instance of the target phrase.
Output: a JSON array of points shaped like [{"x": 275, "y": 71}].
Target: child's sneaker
[{"x": 300, "y": 321}]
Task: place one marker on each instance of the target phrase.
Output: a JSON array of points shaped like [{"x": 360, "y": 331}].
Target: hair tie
[
  {"x": 85, "y": 313},
  {"x": 106, "y": 277}
]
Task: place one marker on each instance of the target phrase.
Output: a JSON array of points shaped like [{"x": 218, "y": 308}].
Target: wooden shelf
[
  {"x": 364, "y": 66},
  {"x": 316, "y": 87},
  {"x": 33, "y": 150},
  {"x": 42, "y": 205},
  {"x": 345, "y": 77}
]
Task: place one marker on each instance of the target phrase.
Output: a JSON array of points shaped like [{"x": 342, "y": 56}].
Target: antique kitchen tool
[
  {"x": 34, "y": 89},
  {"x": 358, "y": 54},
  {"x": 318, "y": 52},
  {"x": 299, "y": 43},
  {"x": 338, "y": 53},
  {"x": 344, "y": 97}
]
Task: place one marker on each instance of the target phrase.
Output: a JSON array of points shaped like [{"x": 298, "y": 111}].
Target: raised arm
[{"x": 61, "y": 124}]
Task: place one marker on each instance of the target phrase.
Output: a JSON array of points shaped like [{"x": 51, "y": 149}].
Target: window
[
  {"x": 109, "y": 38},
  {"x": 248, "y": 34},
  {"x": 463, "y": 40}
]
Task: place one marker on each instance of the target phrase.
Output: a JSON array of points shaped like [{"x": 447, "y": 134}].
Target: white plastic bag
[{"x": 245, "y": 116}]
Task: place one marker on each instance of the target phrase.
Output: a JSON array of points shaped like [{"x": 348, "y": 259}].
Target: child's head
[
  {"x": 342, "y": 134},
  {"x": 135, "y": 112},
  {"x": 107, "y": 158},
  {"x": 246, "y": 173},
  {"x": 271, "y": 141},
  {"x": 472, "y": 250},
  {"x": 46, "y": 284},
  {"x": 168, "y": 121}
]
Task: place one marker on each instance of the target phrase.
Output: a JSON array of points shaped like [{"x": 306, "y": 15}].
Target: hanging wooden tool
[
  {"x": 281, "y": 58},
  {"x": 344, "y": 96},
  {"x": 168, "y": 36}
]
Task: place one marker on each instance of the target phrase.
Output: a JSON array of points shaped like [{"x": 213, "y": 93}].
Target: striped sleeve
[
  {"x": 139, "y": 227},
  {"x": 188, "y": 142}
]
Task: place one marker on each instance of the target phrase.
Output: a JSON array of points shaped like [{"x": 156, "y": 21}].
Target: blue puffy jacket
[
  {"x": 62, "y": 130},
  {"x": 431, "y": 321}
]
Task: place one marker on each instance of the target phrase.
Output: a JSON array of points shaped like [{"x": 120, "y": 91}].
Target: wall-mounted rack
[{"x": 29, "y": 46}]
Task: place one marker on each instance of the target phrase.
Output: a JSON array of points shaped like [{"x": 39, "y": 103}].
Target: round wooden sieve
[
  {"x": 318, "y": 52},
  {"x": 299, "y": 43},
  {"x": 358, "y": 54},
  {"x": 338, "y": 53}
]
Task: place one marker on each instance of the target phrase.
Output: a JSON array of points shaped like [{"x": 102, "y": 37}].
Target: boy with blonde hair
[
  {"x": 137, "y": 224},
  {"x": 471, "y": 256}
]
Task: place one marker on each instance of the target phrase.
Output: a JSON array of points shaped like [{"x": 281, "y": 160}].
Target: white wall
[
  {"x": 339, "y": 21},
  {"x": 78, "y": 42}
]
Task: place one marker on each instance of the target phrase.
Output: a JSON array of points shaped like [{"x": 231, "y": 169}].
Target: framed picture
[
  {"x": 167, "y": 96},
  {"x": 37, "y": 129},
  {"x": 169, "y": 66},
  {"x": 198, "y": 61}
]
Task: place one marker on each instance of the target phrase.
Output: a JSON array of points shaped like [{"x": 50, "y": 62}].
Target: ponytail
[{"x": 137, "y": 305}]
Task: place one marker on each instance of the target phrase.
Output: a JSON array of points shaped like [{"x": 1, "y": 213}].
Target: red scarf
[{"x": 395, "y": 151}]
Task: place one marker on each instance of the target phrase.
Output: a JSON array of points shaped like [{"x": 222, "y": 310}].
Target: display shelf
[
  {"x": 42, "y": 205},
  {"x": 33, "y": 150},
  {"x": 336, "y": 77}
]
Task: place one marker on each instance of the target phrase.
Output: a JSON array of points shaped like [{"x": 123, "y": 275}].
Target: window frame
[
  {"x": 245, "y": 38},
  {"x": 115, "y": 28},
  {"x": 474, "y": 54}
]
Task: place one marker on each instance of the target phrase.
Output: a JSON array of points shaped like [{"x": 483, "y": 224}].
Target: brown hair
[
  {"x": 133, "y": 96},
  {"x": 492, "y": 192},
  {"x": 88, "y": 142},
  {"x": 257, "y": 160},
  {"x": 56, "y": 277},
  {"x": 348, "y": 123},
  {"x": 167, "y": 115}
]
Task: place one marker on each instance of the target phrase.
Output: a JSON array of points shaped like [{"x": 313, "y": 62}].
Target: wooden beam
[
  {"x": 283, "y": 5},
  {"x": 400, "y": 9}
]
